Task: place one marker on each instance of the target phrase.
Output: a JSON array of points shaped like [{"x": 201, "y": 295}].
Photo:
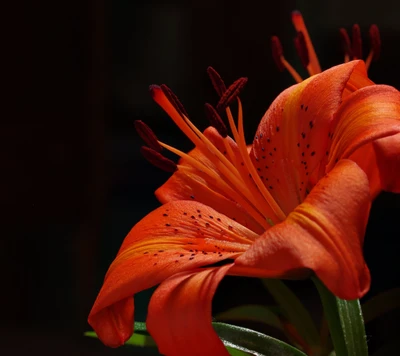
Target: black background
[{"x": 75, "y": 78}]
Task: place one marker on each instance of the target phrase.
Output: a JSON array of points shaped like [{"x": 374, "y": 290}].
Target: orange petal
[
  {"x": 179, "y": 317},
  {"x": 366, "y": 159},
  {"x": 369, "y": 114},
  {"x": 388, "y": 161},
  {"x": 295, "y": 132},
  {"x": 178, "y": 236},
  {"x": 193, "y": 186},
  {"x": 324, "y": 234}
]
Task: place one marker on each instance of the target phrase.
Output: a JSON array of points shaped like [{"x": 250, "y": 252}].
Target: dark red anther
[
  {"x": 277, "y": 52},
  {"x": 215, "y": 120},
  {"x": 301, "y": 48},
  {"x": 357, "y": 42},
  {"x": 375, "y": 40},
  {"x": 216, "y": 81},
  {"x": 346, "y": 44},
  {"x": 147, "y": 135},
  {"x": 231, "y": 94},
  {"x": 158, "y": 160},
  {"x": 173, "y": 99}
]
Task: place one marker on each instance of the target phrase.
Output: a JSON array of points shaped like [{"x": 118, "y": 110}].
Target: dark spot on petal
[
  {"x": 165, "y": 214},
  {"x": 167, "y": 224},
  {"x": 303, "y": 135},
  {"x": 277, "y": 129},
  {"x": 312, "y": 153}
]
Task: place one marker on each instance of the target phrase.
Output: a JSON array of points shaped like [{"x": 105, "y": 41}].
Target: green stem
[{"x": 345, "y": 321}]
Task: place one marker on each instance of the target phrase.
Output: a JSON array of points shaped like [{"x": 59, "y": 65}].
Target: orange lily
[{"x": 292, "y": 203}]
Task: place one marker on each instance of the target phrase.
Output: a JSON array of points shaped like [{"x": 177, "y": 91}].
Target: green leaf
[
  {"x": 253, "y": 342},
  {"x": 345, "y": 322},
  {"x": 332, "y": 316},
  {"x": 236, "y": 352},
  {"x": 257, "y": 313},
  {"x": 140, "y": 338},
  {"x": 294, "y": 311},
  {"x": 381, "y": 304}
]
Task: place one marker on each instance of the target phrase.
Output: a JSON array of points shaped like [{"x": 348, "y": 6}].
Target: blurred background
[{"x": 76, "y": 76}]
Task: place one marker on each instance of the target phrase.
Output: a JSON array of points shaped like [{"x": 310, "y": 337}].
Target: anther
[
  {"x": 158, "y": 159},
  {"x": 173, "y": 99},
  {"x": 346, "y": 44},
  {"x": 277, "y": 52},
  {"x": 147, "y": 135},
  {"x": 375, "y": 40},
  {"x": 301, "y": 48},
  {"x": 231, "y": 94},
  {"x": 357, "y": 42},
  {"x": 215, "y": 120},
  {"x": 216, "y": 81}
]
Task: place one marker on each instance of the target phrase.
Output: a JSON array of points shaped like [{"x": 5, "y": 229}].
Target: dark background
[{"x": 75, "y": 78}]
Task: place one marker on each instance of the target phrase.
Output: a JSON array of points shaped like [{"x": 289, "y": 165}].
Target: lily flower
[{"x": 291, "y": 204}]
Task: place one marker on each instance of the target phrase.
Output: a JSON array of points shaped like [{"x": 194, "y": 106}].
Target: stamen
[
  {"x": 346, "y": 44},
  {"x": 216, "y": 81},
  {"x": 357, "y": 42},
  {"x": 231, "y": 94},
  {"x": 298, "y": 22},
  {"x": 277, "y": 52},
  {"x": 301, "y": 48},
  {"x": 215, "y": 120},
  {"x": 375, "y": 42},
  {"x": 234, "y": 188},
  {"x": 174, "y": 100},
  {"x": 158, "y": 159},
  {"x": 240, "y": 140},
  {"x": 281, "y": 62},
  {"x": 147, "y": 135}
]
